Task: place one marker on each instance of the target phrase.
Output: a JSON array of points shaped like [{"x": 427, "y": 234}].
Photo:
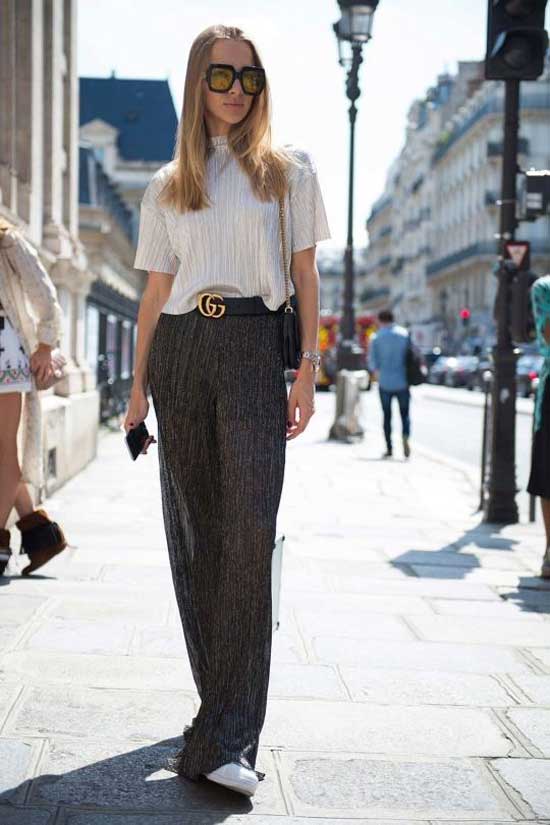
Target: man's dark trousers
[{"x": 404, "y": 400}]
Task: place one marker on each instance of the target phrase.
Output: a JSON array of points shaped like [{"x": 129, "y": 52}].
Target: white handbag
[{"x": 276, "y": 573}]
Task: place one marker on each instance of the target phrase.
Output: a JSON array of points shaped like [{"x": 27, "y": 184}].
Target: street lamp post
[{"x": 352, "y": 31}]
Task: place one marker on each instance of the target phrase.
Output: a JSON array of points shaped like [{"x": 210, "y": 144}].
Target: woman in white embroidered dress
[{"x": 30, "y": 326}]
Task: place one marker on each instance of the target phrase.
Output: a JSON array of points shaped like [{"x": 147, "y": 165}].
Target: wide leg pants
[{"x": 220, "y": 399}]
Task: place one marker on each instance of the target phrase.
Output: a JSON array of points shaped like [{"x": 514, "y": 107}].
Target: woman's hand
[
  {"x": 301, "y": 400},
  {"x": 41, "y": 362},
  {"x": 137, "y": 411}
]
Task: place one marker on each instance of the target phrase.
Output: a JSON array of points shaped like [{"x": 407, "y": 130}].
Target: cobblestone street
[{"x": 410, "y": 678}]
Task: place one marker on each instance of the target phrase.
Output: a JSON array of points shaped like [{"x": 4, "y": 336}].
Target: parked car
[
  {"x": 477, "y": 378},
  {"x": 438, "y": 370},
  {"x": 460, "y": 370},
  {"x": 429, "y": 355},
  {"x": 527, "y": 374}
]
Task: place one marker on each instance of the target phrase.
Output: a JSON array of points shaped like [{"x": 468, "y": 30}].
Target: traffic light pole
[{"x": 501, "y": 506}]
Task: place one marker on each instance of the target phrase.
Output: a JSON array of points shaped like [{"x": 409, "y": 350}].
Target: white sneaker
[{"x": 236, "y": 777}]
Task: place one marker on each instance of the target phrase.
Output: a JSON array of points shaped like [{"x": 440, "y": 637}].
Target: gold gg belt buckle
[{"x": 208, "y": 307}]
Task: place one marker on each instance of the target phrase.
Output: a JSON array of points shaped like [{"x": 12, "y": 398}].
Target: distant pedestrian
[
  {"x": 210, "y": 346},
  {"x": 30, "y": 326},
  {"x": 387, "y": 361},
  {"x": 539, "y": 479}
]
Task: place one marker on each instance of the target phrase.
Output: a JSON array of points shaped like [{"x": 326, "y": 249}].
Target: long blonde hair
[{"x": 249, "y": 140}]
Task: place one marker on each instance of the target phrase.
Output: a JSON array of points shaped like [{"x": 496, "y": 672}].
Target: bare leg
[
  {"x": 10, "y": 472},
  {"x": 23, "y": 500},
  {"x": 545, "y": 507}
]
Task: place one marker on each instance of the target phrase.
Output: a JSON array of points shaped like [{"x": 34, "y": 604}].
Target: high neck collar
[{"x": 218, "y": 142}]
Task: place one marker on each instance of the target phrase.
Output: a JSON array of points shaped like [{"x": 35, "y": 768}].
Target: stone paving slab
[
  {"x": 462, "y": 658},
  {"x": 107, "y": 637},
  {"x": 409, "y": 687},
  {"x": 8, "y": 695},
  {"x": 287, "y": 646},
  {"x": 542, "y": 655},
  {"x": 357, "y": 785},
  {"x": 487, "y": 609},
  {"x": 27, "y": 815},
  {"x": 128, "y": 611},
  {"x": 82, "y": 712},
  {"x": 37, "y": 667},
  {"x": 141, "y": 576},
  {"x": 496, "y": 578},
  {"x": 534, "y": 723},
  {"x": 17, "y": 757},
  {"x": 92, "y": 818},
  {"x": 530, "y": 778},
  {"x": 410, "y": 586},
  {"x": 537, "y": 688},
  {"x": 480, "y": 630},
  {"x": 527, "y": 599},
  {"x": 17, "y": 609},
  {"x": 460, "y": 558},
  {"x": 297, "y": 681},
  {"x": 367, "y": 602},
  {"x": 383, "y": 729},
  {"x": 123, "y": 776},
  {"x": 352, "y": 623}
]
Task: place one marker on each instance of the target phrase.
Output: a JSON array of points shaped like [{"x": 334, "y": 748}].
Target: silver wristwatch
[{"x": 314, "y": 357}]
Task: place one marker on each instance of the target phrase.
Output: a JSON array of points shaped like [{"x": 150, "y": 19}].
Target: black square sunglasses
[{"x": 221, "y": 77}]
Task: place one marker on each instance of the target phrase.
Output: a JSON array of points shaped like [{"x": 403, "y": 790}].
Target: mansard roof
[{"x": 142, "y": 111}]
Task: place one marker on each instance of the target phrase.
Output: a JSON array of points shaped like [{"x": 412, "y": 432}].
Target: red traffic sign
[{"x": 519, "y": 253}]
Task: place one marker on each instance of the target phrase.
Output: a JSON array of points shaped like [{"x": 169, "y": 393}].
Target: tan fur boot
[
  {"x": 5, "y": 549},
  {"x": 41, "y": 539}
]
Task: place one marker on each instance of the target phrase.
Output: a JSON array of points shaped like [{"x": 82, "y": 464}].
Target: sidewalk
[{"x": 411, "y": 673}]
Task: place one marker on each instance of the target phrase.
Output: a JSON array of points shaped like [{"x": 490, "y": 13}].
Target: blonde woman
[
  {"x": 209, "y": 346},
  {"x": 30, "y": 325}
]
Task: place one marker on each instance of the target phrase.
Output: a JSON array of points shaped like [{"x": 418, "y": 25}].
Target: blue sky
[{"x": 412, "y": 43}]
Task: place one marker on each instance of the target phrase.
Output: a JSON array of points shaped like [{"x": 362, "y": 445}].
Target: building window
[
  {"x": 126, "y": 354},
  {"x": 92, "y": 336},
  {"x": 111, "y": 345}
]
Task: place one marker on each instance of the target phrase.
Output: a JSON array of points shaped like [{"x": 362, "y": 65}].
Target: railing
[
  {"x": 532, "y": 100},
  {"x": 495, "y": 148}
]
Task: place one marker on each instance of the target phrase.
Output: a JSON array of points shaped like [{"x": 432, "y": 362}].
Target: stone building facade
[
  {"x": 39, "y": 193},
  {"x": 439, "y": 208}
]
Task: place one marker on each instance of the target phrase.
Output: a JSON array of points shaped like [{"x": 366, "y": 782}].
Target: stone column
[
  {"x": 56, "y": 237},
  {"x": 70, "y": 118},
  {"x": 8, "y": 181}
]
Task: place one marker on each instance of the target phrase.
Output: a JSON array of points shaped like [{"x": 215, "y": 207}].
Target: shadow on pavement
[
  {"x": 135, "y": 782},
  {"x": 532, "y": 593}
]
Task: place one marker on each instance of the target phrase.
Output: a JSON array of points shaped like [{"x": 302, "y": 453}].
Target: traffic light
[
  {"x": 533, "y": 199},
  {"x": 465, "y": 316},
  {"x": 516, "y": 39}
]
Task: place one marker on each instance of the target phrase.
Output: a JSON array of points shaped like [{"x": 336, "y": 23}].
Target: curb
[{"x": 473, "y": 402}]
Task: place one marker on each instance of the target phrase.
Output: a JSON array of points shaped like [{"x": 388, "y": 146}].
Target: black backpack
[{"x": 415, "y": 369}]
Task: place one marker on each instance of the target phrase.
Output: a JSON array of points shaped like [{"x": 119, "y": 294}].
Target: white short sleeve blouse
[{"x": 232, "y": 247}]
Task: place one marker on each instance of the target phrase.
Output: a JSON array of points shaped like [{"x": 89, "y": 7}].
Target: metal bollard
[
  {"x": 347, "y": 426},
  {"x": 532, "y": 499},
  {"x": 487, "y": 377}
]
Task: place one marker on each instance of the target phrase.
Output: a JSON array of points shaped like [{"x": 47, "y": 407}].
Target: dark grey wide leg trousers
[{"x": 220, "y": 399}]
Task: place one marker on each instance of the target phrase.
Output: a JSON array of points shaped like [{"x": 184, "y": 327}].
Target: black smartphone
[{"x": 136, "y": 438}]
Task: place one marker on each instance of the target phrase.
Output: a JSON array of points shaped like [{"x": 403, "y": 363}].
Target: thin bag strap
[{"x": 288, "y": 307}]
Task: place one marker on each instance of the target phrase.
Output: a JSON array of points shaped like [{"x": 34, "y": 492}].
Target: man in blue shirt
[{"x": 387, "y": 360}]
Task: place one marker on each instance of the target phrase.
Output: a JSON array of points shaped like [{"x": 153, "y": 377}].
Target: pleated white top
[{"x": 233, "y": 247}]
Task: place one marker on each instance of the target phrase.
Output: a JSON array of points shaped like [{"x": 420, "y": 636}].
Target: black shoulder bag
[
  {"x": 416, "y": 373},
  {"x": 291, "y": 328}
]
